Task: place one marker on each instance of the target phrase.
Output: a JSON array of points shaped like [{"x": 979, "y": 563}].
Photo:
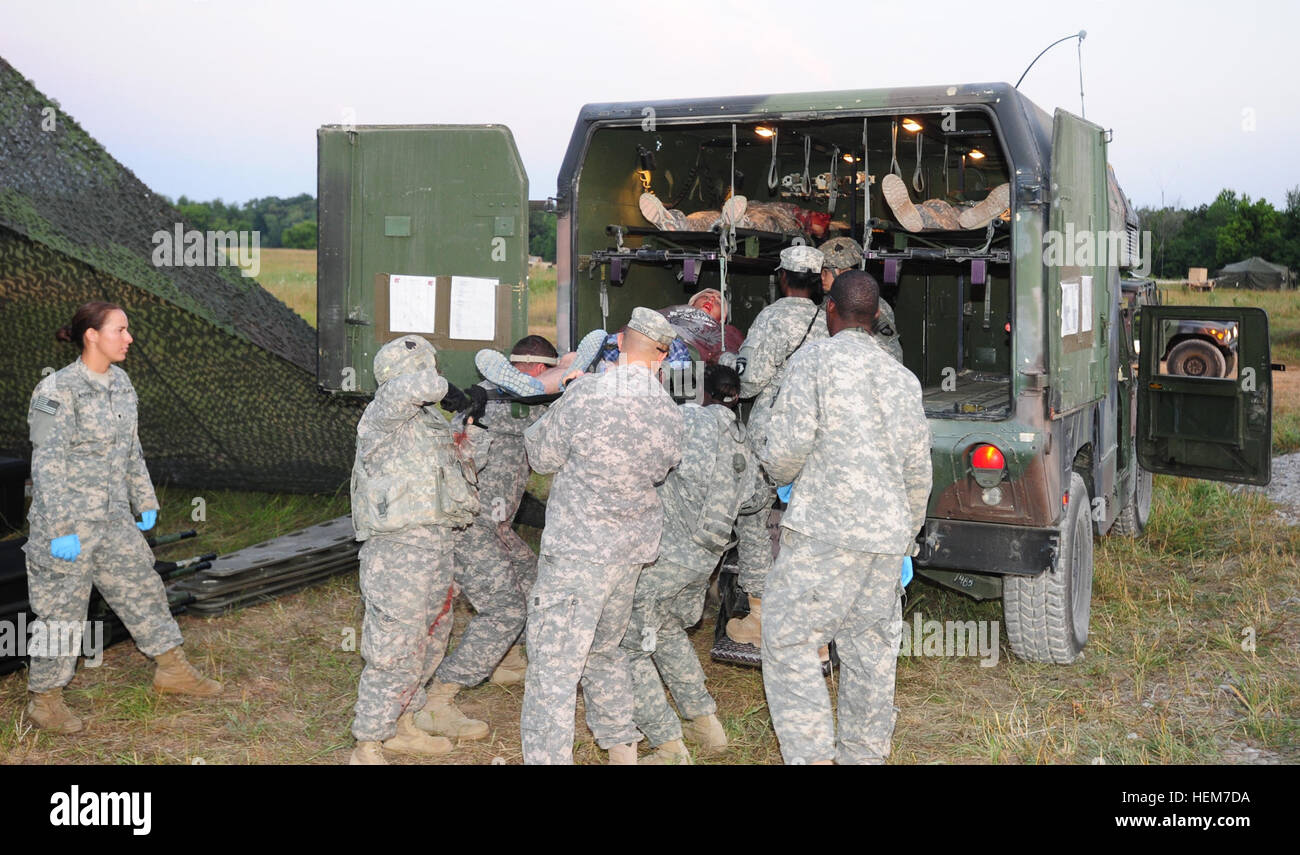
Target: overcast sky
[{"x": 208, "y": 98}]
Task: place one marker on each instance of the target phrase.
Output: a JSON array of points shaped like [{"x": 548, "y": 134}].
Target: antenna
[{"x": 1081, "y": 35}]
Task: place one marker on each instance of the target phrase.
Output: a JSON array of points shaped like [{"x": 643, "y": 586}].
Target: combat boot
[
  {"x": 672, "y": 753},
  {"x": 441, "y": 716},
  {"x": 47, "y": 711},
  {"x": 176, "y": 675},
  {"x": 512, "y": 669},
  {"x": 707, "y": 734},
  {"x": 367, "y": 754},
  {"x": 411, "y": 740},
  {"x": 749, "y": 629},
  {"x": 623, "y": 755}
]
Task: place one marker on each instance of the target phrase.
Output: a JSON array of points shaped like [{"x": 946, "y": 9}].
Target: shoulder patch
[{"x": 45, "y": 405}]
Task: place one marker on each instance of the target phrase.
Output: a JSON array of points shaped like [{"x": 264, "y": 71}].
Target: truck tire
[
  {"x": 1132, "y": 519},
  {"x": 1047, "y": 615},
  {"x": 1196, "y": 358}
]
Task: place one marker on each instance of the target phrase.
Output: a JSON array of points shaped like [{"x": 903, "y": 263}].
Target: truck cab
[{"x": 1047, "y": 381}]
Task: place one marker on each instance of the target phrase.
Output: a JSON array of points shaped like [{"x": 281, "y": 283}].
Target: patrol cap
[
  {"x": 653, "y": 325},
  {"x": 841, "y": 253},
  {"x": 405, "y": 355},
  {"x": 801, "y": 259}
]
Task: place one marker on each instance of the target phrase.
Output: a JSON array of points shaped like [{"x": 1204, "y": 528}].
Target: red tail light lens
[{"x": 988, "y": 457}]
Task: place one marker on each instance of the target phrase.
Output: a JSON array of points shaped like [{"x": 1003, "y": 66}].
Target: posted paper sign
[
  {"x": 1069, "y": 308},
  {"x": 411, "y": 303},
  {"x": 1085, "y": 304},
  {"x": 473, "y": 308}
]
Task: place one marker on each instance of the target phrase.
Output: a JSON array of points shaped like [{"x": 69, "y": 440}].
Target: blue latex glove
[
  {"x": 67, "y": 547},
  {"x": 610, "y": 352},
  {"x": 783, "y": 493},
  {"x": 147, "y": 519},
  {"x": 678, "y": 354},
  {"x": 907, "y": 570}
]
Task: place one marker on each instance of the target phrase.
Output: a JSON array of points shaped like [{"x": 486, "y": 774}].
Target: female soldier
[{"x": 88, "y": 473}]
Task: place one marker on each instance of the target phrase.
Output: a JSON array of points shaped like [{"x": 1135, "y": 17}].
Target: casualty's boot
[
  {"x": 895, "y": 193},
  {"x": 176, "y": 675},
  {"x": 994, "y": 204},
  {"x": 663, "y": 219},
  {"x": 411, "y": 740},
  {"x": 707, "y": 734},
  {"x": 623, "y": 755},
  {"x": 497, "y": 368},
  {"x": 442, "y": 717},
  {"x": 47, "y": 711},
  {"x": 672, "y": 753},
  {"x": 512, "y": 668},
  {"x": 367, "y": 754},
  {"x": 749, "y": 629}
]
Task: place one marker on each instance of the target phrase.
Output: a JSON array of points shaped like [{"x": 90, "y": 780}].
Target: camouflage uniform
[
  {"x": 778, "y": 331},
  {"x": 609, "y": 439},
  {"x": 88, "y": 475},
  {"x": 670, "y": 593},
  {"x": 850, "y": 431},
  {"x": 408, "y": 491},
  {"x": 494, "y": 567},
  {"x": 844, "y": 253}
]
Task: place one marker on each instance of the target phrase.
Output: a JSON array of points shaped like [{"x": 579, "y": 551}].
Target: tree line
[
  {"x": 1229, "y": 229},
  {"x": 291, "y": 222}
]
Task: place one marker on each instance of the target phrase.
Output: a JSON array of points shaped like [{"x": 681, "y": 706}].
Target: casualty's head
[
  {"x": 721, "y": 385},
  {"x": 647, "y": 337},
  {"x": 709, "y": 300},
  {"x": 839, "y": 254},
  {"x": 801, "y": 272},
  {"x": 533, "y": 354},
  {"x": 853, "y": 301},
  {"x": 405, "y": 355}
]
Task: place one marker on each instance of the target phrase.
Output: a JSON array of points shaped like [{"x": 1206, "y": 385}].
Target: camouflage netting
[{"x": 224, "y": 370}]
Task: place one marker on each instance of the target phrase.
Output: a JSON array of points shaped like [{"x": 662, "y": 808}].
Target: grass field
[{"x": 1194, "y": 655}]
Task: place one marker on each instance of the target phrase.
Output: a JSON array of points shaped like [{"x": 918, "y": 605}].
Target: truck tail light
[
  {"x": 988, "y": 457},
  {"x": 987, "y": 464}
]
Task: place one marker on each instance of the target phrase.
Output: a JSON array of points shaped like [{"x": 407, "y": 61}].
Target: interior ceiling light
[
  {"x": 764, "y": 131},
  {"x": 848, "y": 158},
  {"x": 976, "y": 154},
  {"x": 911, "y": 125}
]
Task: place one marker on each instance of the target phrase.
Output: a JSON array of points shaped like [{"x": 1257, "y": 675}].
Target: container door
[
  {"x": 423, "y": 229},
  {"x": 1205, "y": 393},
  {"x": 1079, "y": 286}
]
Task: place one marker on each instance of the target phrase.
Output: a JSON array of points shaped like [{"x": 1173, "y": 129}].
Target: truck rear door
[
  {"x": 423, "y": 229},
  {"x": 1211, "y": 423}
]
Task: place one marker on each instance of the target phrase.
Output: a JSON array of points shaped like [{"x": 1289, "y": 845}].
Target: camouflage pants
[
  {"x": 115, "y": 559},
  {"x": 818, "y": 593},
  {"x": 577, "y": 615},
  {"x": 406, "y": 581},
  {"x": 495, "y": 569},
  {"x": 669, "y": 599},
  {"x": 754, "y": 549}
]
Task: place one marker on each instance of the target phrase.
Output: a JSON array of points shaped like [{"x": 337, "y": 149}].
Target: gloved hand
[
  {"x": 455, "y": 400},
  {"x": 907, "y": 570},
  {"x": 67, "y": 547},
  {"x": 147, "y": 519},
  {"x": 610, "y": 351},
  {"x": 477, "y": 405},
  {"x": 783, "y": 493},
  {"x": 678, "y": 354}
]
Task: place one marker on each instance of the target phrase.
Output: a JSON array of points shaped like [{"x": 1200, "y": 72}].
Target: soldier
[
  {"x": 850, "y": 431},
  {"x": 609, "y": 440},
  {"x": 409, "y": 489},
  {"x": 717, "y": 480},
  {"x": 778, "y": 331},
  {"x": 494, "y": 567},
  {"x": 88, "y": 479},
  {"x": 844, "y": 253}
]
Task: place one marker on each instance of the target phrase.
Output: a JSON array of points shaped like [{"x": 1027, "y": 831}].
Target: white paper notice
[
  {"x": 411, "y": 303},
  {"x": 1085, "y": 304},
  {"x": 473, "y": 308},
  {"x": 1069, "y": 308}
]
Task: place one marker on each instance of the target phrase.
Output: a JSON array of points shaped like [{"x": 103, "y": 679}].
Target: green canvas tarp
[
  {"x": 1254, "y": 273},
  {"x": 225, "y": 372}
]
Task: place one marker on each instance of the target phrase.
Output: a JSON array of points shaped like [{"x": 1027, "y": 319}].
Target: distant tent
[{"x": 1255, "y": 273}]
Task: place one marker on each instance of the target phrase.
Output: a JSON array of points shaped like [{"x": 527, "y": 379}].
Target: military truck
[{"x": 1046, "y": 384}]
